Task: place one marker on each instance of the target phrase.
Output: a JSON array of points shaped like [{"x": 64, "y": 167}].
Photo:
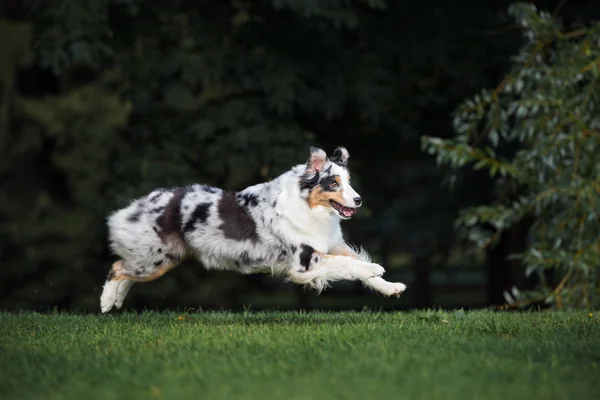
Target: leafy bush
[{"x": 538, "y": 135}]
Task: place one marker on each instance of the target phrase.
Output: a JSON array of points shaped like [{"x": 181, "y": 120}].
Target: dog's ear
[
  {"x": 340, "y": 156},
  {"x": 317, "y": 159}
]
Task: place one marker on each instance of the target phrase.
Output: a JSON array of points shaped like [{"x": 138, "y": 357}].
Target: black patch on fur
[
  {"x": 248, "y": 199},
  {"x": 157, "y": 210},
  {"x": 169, "y": 221},
  {"x": 157, "y": 263},
  {"x": 237, "y": 223},
  {"x": 189, "y": 188},
  {"x": 135, "y": 216},
  {"x": 245, "y": 258},
  {"x": 283, "y": 255},
  {"x": 306, "y": 255},
  {"x": 159, "y": 250},
  {"x": 326, "y": 182},
  {"x": 209, "y": 189},
  {"x": 171, "y": 257},
  {"x": 274, "y": 203},
  {"x": 293, "y": 248},
  {"x": 155, "y": 230},
  {"x": 200, "y": 214},
  {"x": 308, "y": 181},
  {"x": 337, "y": 158},
  {"x": 155, "y": 197},
  {"x": 139, "y": 271}
]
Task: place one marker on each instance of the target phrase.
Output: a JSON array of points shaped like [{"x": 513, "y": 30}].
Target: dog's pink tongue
[{"x": 348, "y": 212}]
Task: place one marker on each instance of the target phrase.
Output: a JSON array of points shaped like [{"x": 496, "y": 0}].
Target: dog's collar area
[{"x": 345, "y": 212}]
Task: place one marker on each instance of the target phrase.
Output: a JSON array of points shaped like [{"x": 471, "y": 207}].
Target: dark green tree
[{"x": 538, "y": 134}]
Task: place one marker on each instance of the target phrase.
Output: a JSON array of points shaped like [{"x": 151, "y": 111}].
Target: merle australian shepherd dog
[{"x": 289, "y": 227}]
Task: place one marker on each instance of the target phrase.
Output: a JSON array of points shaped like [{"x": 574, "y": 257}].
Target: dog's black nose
[{"x": 357, "y": 201}]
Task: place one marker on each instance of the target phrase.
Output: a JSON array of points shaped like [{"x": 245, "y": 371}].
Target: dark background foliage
[{"x": 104, "y": 100}]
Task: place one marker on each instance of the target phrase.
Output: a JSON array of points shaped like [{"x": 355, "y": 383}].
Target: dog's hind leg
[
  {"x": 122, "y": 291},
  {"x": 120, "y": 279},
  {"x": 115, "y": 288}
]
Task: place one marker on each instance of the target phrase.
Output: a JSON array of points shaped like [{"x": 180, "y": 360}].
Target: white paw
[
  {"x": 109, "y": 296},
  {"x": 386, "y": 288},
  {"x": 119, "y": 303},
  {"x": 373, "y": 270},
  {"x": 106, "y": 303},
  {"x": 394, "y": 289},
  {"x": 121, "y": 292}
]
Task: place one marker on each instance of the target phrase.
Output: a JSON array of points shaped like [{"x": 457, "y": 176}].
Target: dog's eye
[{"x": 333, "y": 184}]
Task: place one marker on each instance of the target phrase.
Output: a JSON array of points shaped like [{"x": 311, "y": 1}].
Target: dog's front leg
[
  {"x": 316, "y": 269},
  {"x": 384, "y": 287},
  {"x": 376, "y": 283},
  {"x": 343, "y": 249}
]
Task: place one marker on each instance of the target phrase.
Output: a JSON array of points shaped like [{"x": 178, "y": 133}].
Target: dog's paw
[
  {"x": 396, "y": 289},
  {"x": 388, "y": 289},
  {"x": 119, "y": 303},
  {"x": 109, "y": 296},
  {"x": 106, "y": 303},
  {"x": 372, "y": 270}
]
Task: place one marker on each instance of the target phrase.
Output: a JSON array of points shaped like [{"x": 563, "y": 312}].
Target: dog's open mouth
[{"x": 344, "y": 211}]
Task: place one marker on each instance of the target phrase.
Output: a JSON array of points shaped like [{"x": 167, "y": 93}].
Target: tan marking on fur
[
  {"x": 319, "y": 197},
  {"x": 117, "y": 269},
  {"x": 323, "y": 255},
  {"x": 160, "y": 271},
  {"x": 121, "y": 275},
  {"x": 334, "y": 255},
  {"x": 343, "y": 250}
]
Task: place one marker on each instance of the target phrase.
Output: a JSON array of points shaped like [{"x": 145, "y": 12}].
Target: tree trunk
[{"x": 505, "y": 273}]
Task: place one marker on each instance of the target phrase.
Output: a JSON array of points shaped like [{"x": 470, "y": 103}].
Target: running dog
[{"x": 288, "y": 227}]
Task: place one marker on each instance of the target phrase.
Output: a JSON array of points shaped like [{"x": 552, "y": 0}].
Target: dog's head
[{"x": 326, "y": 183}]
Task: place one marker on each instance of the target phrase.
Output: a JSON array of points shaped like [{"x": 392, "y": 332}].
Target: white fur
[
  {"x": 318, "y": 227},
  {"x": 109, "y": 295},
  {"x": 336, "y": 268},
  {"x": 122, "y": 291},
  {"x": 384, "y": 287}
]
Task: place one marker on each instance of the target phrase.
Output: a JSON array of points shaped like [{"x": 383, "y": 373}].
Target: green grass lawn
[{"x": 414, "y": 355}]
